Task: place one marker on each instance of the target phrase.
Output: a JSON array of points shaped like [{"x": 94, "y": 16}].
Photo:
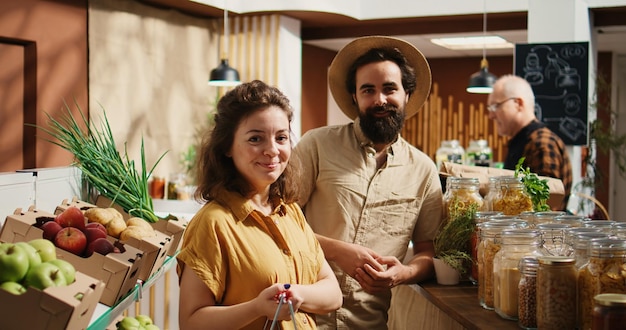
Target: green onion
[{"x": 95, "y": 154}]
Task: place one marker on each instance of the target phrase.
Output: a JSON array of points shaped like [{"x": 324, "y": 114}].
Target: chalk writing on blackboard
[{"x": 558, "y": 74}]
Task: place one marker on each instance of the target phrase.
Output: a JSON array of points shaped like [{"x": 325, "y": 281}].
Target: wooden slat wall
[{"x": 437, "y": 121}]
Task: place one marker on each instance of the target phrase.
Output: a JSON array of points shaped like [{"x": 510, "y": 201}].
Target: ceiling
[{"x": 333, "y": 31}]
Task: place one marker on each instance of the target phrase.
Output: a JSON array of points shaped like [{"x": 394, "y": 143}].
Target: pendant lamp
[
  {"x": 224, "y": 74},
  {"x": 482, "y": 81}
]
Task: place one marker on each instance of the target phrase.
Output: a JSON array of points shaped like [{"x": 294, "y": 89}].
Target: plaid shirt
[{"x": 545, "y": 155}]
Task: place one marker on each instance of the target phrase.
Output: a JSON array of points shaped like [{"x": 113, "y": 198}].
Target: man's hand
[
  {"x": 349, "y": 257},
  {"x": 374, "y": 281}
]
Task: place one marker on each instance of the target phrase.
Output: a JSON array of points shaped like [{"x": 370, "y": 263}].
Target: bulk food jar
[
  {"x": 488, "y": 246},
  {"x": 527, "y": 293},
  {"x": 556, "y": 293},
  {"x": 462, "y": 197},
  {"x": 609, "y": 311},
  {"x": 515, "y": 244},
  {"x": 605, "y": 272},
  {"x": 450, "y": 151},
  {"x": 479, "y": 218},
  {"x": 512, "y": 198}
]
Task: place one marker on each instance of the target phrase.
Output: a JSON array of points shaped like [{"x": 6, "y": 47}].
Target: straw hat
[{"x": 338, "y": 72}]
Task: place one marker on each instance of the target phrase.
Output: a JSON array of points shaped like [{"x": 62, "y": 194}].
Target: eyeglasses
[{"x": 493, "y": 107}]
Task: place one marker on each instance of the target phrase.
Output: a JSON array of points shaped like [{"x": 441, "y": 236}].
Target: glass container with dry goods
[
  {"x": 556, "y": 293},
  {"x": 546, "y": 217},
  {"x": 515, "y": 244},
  {"x": 462, "y": 197},
  {"x": 575, "y": 221},
  {"x": 553, "y": 238},
  {"x": 604, "y": 225},
  {"x": 528, "y": 216},
  {"x": 450, "y": 151},
  {"x": 513, "y": 198},
  {"x": 492, "y": 192},
  {"x": 488, "y": 246},
  {"x": 609, "y": 311},
  {"x": 605, "y": 272},
  {"x": 527, "y": 293},
  {"x": 478, "y": 153},
  {"x": 580, "y": 246},
  {"x": 479, "y": 218},
  {"x": 619, "y": 229}
]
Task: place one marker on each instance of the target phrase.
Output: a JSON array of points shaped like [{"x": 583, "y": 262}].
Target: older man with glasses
[{"x": 512, "y": 106}]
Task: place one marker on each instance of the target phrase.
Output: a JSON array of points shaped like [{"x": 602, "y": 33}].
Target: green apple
[
  {"x": 13, "y": 263},
  {"x": 144, "y": 319},
  {"x": 13, "y": 287},
  {"x": 45, "y": 275},
  {"x": 67, "y": 269},
  {"x": 46, "y": 249},
  {"x": 34, "y": 258},
  {"x": 150, "y": 327},
  {"x": 129, "y": 323}
]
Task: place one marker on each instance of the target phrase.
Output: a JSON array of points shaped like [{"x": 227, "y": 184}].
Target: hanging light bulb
[
  {"x": 224, "y": 74},
  {"x": 482, "y": 81}
]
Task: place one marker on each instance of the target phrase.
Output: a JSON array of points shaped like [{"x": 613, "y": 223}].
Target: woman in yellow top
[{"x": 250, "y": 241}]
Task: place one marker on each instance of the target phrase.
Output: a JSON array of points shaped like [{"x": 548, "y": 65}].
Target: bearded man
[{"x": 366, "y": 191}]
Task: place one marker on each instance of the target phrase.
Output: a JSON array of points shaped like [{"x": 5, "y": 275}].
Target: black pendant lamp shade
[
  {"x": 482, "y": 81},
  {"x": 224, "y": 75}
]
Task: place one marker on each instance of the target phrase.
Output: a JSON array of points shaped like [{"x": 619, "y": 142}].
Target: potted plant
[{"x": 452, "y": 243}]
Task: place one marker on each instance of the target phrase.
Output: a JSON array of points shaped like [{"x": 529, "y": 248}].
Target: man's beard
[{"x": 382, "y": 129}]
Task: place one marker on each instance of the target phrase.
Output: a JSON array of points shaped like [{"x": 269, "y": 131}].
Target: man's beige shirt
[{"x": 347, "y": 198}]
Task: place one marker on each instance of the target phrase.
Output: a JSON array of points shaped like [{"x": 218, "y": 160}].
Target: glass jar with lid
[
  {"x": 479, "y": 218},
  {"x": 450, "y": 151},
  {"x": 546, "y": 216},
  {"x": 462, "y": 197},
  {"x": 515, "y": 244},
  {"x": 513, "y": 198},
  {"x": 603, "y": 273},
  {"x": 478, "y": 153},
  {"x": 580, "y": 246},
  {"x": 609, "y": 311},
  {"x": 488, "y": 246},
  {"x": 604, "y": 225},
  {"x": 492, "y": 192},
  {"x": 573, "y": 220},
  {"x": 527, "y": 293},
  {"x": 553, "y": 238},
  {"x": 556, "y": 293},
  {"x": 619, "y": 229}
]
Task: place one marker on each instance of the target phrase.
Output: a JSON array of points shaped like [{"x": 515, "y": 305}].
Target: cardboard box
[
  {"x": 119, "y": 271},
  {"x": 55, "y": 308},
  {"x": 557, "y": 190},
  {"x": 154, "y": 248}
]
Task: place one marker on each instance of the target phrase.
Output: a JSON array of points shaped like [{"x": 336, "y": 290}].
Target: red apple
[
  {"x": 50, "y": 230},
  {"x": 72, "y": 240},
  {"x": 100, "y": 245},
  {"x": 71, "y": 217},
  {"x": 93, "y": 231}
]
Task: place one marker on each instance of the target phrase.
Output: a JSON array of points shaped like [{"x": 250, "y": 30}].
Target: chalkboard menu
[{"x": 558, "y": 74}]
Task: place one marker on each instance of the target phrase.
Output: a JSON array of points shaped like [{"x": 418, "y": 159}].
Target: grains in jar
[
  {"x": 515, "y": 244},
  {"x": 527, "y": 293},
  {"x": 605, "y": 272},
  {"x": 556, "y": 293},
  {"x": 488, "y": 247}
]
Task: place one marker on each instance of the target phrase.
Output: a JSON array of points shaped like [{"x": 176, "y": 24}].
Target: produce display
[
  {"x": 32, "y": 264},
  {"x": 139, "y": 322}
]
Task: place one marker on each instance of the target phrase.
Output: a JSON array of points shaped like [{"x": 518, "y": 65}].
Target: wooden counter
[{"x": 432, "y": 306}]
